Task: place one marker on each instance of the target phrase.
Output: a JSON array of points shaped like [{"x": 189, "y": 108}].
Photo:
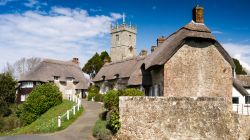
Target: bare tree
[
  {"x": 22, "y": 66},
  {"x": 9, "y": 69}
]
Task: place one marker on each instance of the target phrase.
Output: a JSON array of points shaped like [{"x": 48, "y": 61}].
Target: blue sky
[{"x": 63, "y": 29}]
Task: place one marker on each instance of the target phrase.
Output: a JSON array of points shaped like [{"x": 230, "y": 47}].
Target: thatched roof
[
  {"x": 237, "y": 84},
  {"x": 174, "y": 42},
  {"x": 49, "y": 68},
  {"x": 244, "y": 80},
  {"x": 129, "y": 68}
]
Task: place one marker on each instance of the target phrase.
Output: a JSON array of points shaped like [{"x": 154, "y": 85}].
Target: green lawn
[{"x": 48, "y": 121}]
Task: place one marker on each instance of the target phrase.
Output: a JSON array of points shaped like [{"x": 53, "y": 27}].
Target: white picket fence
[
  {"x": 70, "y": 112},
  {"x": 243, "y": 109}
]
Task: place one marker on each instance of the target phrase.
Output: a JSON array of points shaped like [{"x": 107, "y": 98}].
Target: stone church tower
[{"x": 123, "y": 41}]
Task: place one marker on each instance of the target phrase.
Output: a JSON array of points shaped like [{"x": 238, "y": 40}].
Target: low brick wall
[{"x": 179, "y": 118}]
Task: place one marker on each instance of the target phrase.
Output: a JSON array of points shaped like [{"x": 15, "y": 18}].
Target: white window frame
[{"x": 27, "y": 85}]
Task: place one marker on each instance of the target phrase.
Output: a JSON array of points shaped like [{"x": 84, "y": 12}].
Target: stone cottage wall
[
  {"x": 198, "y": 69},
  {"x": 151, "y": 118}
]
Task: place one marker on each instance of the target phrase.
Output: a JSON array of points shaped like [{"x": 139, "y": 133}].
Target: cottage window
[
  {"x": 23, "y": 97},
  {"x": 247, "y": 100},
  {"x": 70, "y": 79},
  {"x": 56, "y": 78},
  {"x": 27, "y": 85},
  {"x": 235, "y": 100},
  {"x": 154, "y": 90}
]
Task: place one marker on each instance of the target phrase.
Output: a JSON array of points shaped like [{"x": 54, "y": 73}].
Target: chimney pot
[
  {"x": 75, "y": 60},
  {"x": 153, "y": 48},
  {"x": 106, "y": 60},
  {"x": 160, "y": 40},
  {"x": 143, "y": 53},
  {"x": 198, "y": 14}
]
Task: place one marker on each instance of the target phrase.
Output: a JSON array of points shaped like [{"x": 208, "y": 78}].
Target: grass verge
[
  {"x": 47, "y": 123},
  {"x": 100, "y": 131}
]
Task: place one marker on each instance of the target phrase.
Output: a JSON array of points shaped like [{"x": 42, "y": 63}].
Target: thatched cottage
[
  {"x": 190, "y": 63},
  {"x": 120, "y": 74},
  {"x": 67, "y": 75}
]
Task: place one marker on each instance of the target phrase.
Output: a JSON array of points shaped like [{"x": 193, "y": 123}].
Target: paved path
[{"x": 81, "y": 129}]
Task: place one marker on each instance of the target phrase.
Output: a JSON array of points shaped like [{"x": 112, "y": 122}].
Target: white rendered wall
[{"x": 236, "y": 93}]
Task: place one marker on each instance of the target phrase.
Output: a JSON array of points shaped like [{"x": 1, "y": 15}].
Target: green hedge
[
  {"x": 111, "y": 99},
  {"x": 41, "y": 99},
  {"x": 111, "y": 103},
  {"x": 98, "y": 98}
]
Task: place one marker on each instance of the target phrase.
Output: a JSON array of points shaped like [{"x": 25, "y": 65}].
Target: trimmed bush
[
  {"x": 113, "y": 122},
  {"x": 100, "y": 131},
  {"x": 41, "y": 99},
  {"x": 92, "y": 92},
  {"x": 111, "y": 99},
  {"x": 131, "y": 92},
  {"x": 98, "y": 98}
]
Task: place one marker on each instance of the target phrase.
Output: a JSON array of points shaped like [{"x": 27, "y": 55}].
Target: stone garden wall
[{"x": 180, "y": 118}]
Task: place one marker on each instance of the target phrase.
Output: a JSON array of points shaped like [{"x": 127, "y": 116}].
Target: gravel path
[{"x": 81, "y": 129}]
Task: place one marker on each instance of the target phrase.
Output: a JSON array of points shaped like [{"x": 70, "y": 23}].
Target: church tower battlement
[{"x": 123, "y": 41}]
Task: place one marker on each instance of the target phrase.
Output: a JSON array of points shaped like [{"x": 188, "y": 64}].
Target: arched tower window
[
  {"x": 117, "y": 37},
  {"x": 131, "y": 49}
]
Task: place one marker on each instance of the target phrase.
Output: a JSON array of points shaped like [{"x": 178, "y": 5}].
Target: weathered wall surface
[
  {"x": 198, "y": 69},
  {"x": 244, "y": 127},
  {"x": 180, "y": 118}
]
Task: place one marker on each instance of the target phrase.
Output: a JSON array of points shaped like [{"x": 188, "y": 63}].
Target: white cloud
[
  {"x": 4, "y": 2},
  {"x": 116, "y": 15},
  {"x": 31, "y": 3},
  {"x": 95, "y": 10},
  {"x": 240, "y": 52},
  {"x": 216, "y": 32},
  {"x": 62, "y": 33}
]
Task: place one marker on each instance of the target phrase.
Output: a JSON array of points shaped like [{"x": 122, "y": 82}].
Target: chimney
[
  {"x": 198, "y": 14},
  {"x": 143, "y": 53},
  {"x": 75, "y": 60},
  {"x": 153, "y": 48},
  {"x": 160, "y": 40},
  {"x": 106, "y": 60}
]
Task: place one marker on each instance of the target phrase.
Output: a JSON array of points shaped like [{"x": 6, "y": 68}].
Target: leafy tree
[
  {"x": 7, "y": 88},
  {"x": 104, "y": 55},
  {"x": 95, "y": 63},
  {"x": 7, "y": 93},
  {"x": 239, "y": 69}
]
